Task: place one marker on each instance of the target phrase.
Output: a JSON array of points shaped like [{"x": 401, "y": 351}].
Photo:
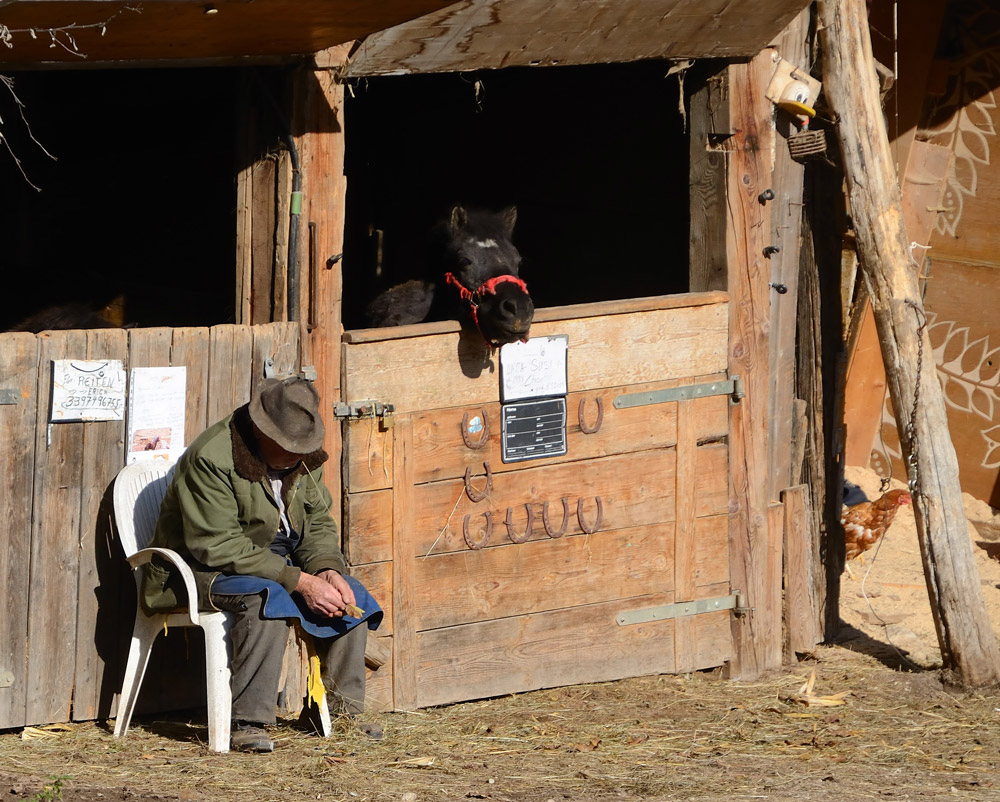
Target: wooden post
[
  {"x": 786, "y": 229},
  {"x": 756, "y": 633},
  {"x": 320, "y": 117},
  {"x": 968, "y": 645}
]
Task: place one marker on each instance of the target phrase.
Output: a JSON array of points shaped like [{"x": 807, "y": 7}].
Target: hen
[{"x": 866, "y": 522}]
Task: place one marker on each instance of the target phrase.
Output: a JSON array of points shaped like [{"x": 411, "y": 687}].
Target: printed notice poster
[
  {"x": 533, "y": 369},
  {"x": 156, "y": 402},
  {"x": 87, "y": 390}
]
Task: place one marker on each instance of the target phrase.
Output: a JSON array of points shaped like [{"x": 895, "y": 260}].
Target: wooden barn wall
[
  {"x": 69, "y": 599},
  {"x": 958, "y": 248}
]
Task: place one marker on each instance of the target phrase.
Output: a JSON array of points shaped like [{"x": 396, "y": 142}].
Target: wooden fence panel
[
  {"x": 63, "y": 635},
  {"x": 18, "y": 374}
]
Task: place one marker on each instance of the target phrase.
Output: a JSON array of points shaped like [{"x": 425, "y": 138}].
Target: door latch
[{"x": 374, "y": 410}]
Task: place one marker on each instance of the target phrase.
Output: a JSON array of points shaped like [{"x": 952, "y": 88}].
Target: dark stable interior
[
  {"x": 140, "y": 199},
  {"x": 595, "y": 158}
]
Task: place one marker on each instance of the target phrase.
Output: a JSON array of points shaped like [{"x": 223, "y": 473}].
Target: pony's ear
[
  {"x": 509, "y": 217},
  {"x": 458, "y": 219}
]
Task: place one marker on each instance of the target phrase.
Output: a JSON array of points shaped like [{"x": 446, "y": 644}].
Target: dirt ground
[{"x": 866, "y": 718}]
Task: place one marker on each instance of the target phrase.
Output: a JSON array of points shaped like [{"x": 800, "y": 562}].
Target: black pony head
[{"x": 482, "y": 263}]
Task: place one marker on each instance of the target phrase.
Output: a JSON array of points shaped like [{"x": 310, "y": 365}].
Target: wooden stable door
[{"x": 610, "y": 561}]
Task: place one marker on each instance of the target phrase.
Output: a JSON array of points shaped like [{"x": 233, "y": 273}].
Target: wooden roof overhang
[
  {"x": 490, "y": 34},
  {"x": 80, "y": 33}
]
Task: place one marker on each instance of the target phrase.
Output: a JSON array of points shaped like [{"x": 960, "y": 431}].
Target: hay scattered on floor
[{"x": 694, "y": 737}]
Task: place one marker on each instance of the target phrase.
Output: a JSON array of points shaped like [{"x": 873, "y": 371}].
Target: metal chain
[{"x": 911, "y": 426}]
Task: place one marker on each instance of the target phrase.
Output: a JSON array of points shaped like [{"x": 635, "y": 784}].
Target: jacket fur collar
[{"x": 251, "y": 467}]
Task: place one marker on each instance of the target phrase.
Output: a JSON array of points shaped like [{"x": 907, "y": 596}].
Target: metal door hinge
[
  {"x": 9, "y": 396},
  {"x": 679, "y": 610},
  {"x": 733, "y": 387}
]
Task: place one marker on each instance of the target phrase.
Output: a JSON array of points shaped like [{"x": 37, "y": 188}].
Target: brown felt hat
[{"x": 287, "y": 412}]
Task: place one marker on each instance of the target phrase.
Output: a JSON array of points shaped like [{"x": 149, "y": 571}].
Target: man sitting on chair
[{"x": 247, "y": 509}]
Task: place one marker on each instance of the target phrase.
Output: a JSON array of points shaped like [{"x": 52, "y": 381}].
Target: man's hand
[
  {"x": 326, "y": 594},
  {"x": 339, "y": 584}
]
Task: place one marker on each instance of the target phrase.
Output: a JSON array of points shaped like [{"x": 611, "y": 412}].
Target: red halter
[{"x": 473, "y": 296}]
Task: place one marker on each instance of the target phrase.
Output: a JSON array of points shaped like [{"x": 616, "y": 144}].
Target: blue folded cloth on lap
[{"x": 279, "y": 603}]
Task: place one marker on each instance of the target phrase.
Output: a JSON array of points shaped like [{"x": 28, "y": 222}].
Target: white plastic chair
[{"x": 139, "y": 489}]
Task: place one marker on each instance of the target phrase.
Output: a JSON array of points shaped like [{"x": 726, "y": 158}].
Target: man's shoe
[{"x": 248, "y": 737}]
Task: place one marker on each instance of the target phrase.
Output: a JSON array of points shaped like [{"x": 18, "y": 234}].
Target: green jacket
[{"x": 220, "y": 514}]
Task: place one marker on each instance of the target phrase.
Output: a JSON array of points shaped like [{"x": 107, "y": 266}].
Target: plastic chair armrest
[{"x": 143, "y": 556}]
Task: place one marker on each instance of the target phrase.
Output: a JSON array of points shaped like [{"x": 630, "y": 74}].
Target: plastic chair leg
[
  {"x": 144, "y": 633},
  {"x": 217, "y": 676}
]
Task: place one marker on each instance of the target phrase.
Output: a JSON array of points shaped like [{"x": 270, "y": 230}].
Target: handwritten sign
[
  {"x": 87, "y": 390},
  {"x": 534, "y": 369}
]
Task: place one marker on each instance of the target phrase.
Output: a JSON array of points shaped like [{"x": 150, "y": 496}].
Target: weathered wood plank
[
  {"x": 244, "y": 208},
  {"x": 547, "y": 314},
  {"x": 801, "y": 613},
  {"x": 404, "y": 667},
  {"x": 749, "y": 275},
  {"x": 539, "y": 576},
  {"x": 564, "y": 647},
  {"x": 709, "y": 124},
  {"x": 263, "y": 178},
  {"x": 282, "y": 222},
  {"x": 228, "y": 372},
  {"x": 440, "y": 452},
  {"x": 772, "y": 569},
  {"x": 100, "y": 619},
  {"x": 275, "y": 348},
  {"x": 378, "y": 684},
  {"x": 468, "y": 37},
  {"x": 604, "y": 351},
  {"x": 190, "y": 348},
  {"x": 685, "y": 544},
  {"x": 18, "y": 372},
  {"x": 55, "y": 558},
  {"x": 636, "y": 490},
  {"x": 554, "y": 574},
  {"x": 378, "y": 578},
  {"x": 149, "y": 348}
]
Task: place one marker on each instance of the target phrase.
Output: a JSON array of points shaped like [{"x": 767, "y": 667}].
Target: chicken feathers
[{"x": 865, "y": 523}]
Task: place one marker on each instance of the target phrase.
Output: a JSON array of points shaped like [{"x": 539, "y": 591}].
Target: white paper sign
[
  {"x": 156, "y": 400},
  {"x": 87, "y": 390},
  {"x": 534, "y": 369}
]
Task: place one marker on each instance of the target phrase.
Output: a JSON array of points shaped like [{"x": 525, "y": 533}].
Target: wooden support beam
[
  {"x": 968, "y": 645},
  {"x": 757, "y": 633},
  {"x": 319, "y": 105},
  {"x": 786, "y": 230}
]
